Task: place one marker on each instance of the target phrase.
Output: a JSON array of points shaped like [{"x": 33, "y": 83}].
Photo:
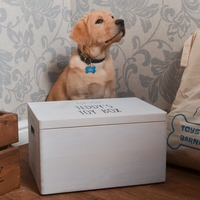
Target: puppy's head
[{"x": 98, "y": 28}]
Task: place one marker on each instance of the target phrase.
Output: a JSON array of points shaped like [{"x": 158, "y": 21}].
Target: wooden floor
[{"x": 180, "y": 184}]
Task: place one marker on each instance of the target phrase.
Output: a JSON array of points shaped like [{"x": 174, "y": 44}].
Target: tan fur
[{"x": 94, "y": 40}]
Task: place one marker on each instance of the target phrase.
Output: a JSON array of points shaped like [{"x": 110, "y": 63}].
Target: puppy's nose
[{"x": 119, "y": 22}]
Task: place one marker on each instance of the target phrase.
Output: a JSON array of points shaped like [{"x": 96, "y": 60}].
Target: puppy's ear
[{"x": 80, "y": 33}]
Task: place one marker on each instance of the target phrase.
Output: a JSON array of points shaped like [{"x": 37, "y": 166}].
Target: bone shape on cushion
[{"x": 184, "y": 133}]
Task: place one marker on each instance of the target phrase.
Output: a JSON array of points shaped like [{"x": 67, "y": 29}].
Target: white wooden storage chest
[{"x": 95, "y": 144}]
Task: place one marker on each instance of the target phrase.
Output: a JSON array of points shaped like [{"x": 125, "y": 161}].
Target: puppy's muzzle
[
  {"x": 120, "y": 23},
  {"x": 121, "y": 26}
]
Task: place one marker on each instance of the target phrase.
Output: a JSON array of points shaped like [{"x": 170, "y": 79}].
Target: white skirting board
[{"x": 23, "y": 132}]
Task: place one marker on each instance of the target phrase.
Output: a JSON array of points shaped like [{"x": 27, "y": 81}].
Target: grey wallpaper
[{"x": 35, "y": 47}]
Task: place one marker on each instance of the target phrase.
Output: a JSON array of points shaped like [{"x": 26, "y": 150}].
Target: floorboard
[{"x": 181, "y": 184}]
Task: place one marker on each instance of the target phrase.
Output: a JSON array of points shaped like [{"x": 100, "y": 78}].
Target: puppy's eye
[
  {"x": 99, "y": 21},
  {"x": 113, "y": 17}
]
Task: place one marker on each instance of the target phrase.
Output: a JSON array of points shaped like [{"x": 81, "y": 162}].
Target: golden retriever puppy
[{"x": 90, "y": 73}]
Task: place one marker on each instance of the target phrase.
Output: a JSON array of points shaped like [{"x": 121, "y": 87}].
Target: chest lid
[{"x": 82, "y": 113}]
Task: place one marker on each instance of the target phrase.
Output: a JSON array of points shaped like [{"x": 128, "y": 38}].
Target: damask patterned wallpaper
[{"x": 35, "y": 47}]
